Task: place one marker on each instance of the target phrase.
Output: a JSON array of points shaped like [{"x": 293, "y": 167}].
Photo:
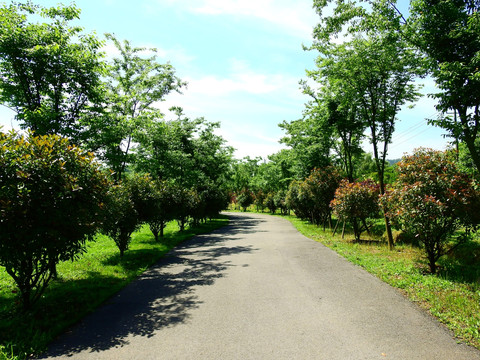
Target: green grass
[
  {"x": 81, "y": 287},
  {"x": 453, "y": 295}
]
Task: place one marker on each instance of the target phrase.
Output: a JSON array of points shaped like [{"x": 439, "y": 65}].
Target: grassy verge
[
  {"x": 453, "y": 296},
  {"x": 81, "y": 287}
]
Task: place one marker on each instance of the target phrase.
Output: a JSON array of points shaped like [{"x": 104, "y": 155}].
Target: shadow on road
[{"x": 162, "y": 297}]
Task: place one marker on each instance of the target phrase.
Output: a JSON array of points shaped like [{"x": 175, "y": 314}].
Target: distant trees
[{"x": 52, "y": 200}]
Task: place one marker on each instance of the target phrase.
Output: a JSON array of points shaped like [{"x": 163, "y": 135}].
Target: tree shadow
[
  {"x": 462, "y": 265},
  {"x": 163, "y": 296}
]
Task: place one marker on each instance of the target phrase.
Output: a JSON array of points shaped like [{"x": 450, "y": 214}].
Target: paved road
[{"x": 257, "y": 289}]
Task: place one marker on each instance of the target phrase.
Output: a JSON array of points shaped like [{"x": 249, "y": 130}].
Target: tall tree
[
  {"x": 184, "y": 150},
  {"x": 374, "y": 63},
  {"x": 49, "y": 72},
  {"x": 135, "y": 83},
  {"x": 335, "y": 108},
  {"x": 309, "y": 141},
  {"x": 448, "y": 34}
]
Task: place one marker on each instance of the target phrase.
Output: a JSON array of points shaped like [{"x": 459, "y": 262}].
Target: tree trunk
[
  {"x": 388, "y": 228},
  {"x": 335, "y": 229}
]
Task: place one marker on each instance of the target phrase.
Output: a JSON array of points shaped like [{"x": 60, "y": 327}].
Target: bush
[
  {"x": 245, "y": 199},
  {"x": 356, "y": 202},
  {"x": 153, "y": 201},
  {"x": 310, "y": 199},
  {"x": 122, "y": 216},
  {"x": 280, "y": 201},
  {"x": 296, "y": 200},
  {"x": 319, "y": 189},
  {"x": 270, "y": 202},
  {"x": 52, "y": 201},
  {"x": 260, "y": 198},
  {"x": 184, "y": 203},
  {"x": 432, "y": 200}
]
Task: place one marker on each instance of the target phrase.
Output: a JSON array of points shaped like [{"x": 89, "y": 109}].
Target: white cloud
[
  {"x": 242, "y": 79},
  {"x": 297, "y": 16},
  {"x": 249, "y": 104},
  {"x": 177, "y": 56}
]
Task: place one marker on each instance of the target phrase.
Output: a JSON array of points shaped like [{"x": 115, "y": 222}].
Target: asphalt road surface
[{"x": 257, "y": 289}]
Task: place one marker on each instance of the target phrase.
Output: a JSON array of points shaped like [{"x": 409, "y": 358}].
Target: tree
[
  {"x": 310, "y": 143},
  {"x": 432, "y": 200},
  {"x": 245, "y": 198},
  {"x": 259, "y": 200},
  {"x": 296, "y": 200},
  {"x": 184, "y": 202},
  {"x": 356, "y": 202},
  {"x": 187, "y": 151},
  {"x": 52, "y": 197},
  {"x": 214, "y": 198},
  {"x": 448, "y": 35},
  {"x": 375, "y": 66},
  {"x": 318, "y": 189},
  {"x": 134, "y": 85},
  {"x": 153, "y": 201},
  {"x": 270, "y": 202},
  {"x": 50, "y": 72},
  {"x": 122, "y": 217},
  {"x": 280, "y": 201}
]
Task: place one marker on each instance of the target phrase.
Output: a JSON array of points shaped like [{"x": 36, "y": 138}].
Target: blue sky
[{"x": 242, "y": 59}]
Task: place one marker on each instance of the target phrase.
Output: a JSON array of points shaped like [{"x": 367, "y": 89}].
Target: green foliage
[
  {"x": 432, "y": 200},
  {"x": 134, "y": 85},
  {"x": 448, "y": 34},
  {"x": 214, "y": 200},
  {"x": 319, "y": 188},
  {"x": 259, "y": 200},
  {"x": 153, "y": 201},
  {"x": 310, "y": 144},
  {"x": 52, "y": 199},
  {"x": 245, "y": 198},
  {"x": 310, "y": 199},
  {"x": 185, "y": 151},
  {"x": 356, "y": 202},
  {"x": 185, "y": 201},
  {"x": 281, "y": 201},
  {"x": 50, "y": 71},
  {"x": 372, "y": 72},
  {"x": 270, "y": 202},
  {"x": 122, "y": 216}
]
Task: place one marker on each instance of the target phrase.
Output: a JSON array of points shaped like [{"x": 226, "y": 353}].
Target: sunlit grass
[{"x": 81, "y": 287}]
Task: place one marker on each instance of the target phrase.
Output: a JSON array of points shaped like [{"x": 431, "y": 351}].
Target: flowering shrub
[
  {"x": 52, "y": 199},
  {"x": 355, "y": 202},
  {"x": 310, "y": 199},
  {"x": 432, "y": 200}
]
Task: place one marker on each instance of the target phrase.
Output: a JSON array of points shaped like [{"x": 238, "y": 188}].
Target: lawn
[{"x": 81, "y": 287}]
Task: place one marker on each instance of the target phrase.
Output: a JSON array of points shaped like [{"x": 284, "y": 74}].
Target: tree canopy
[{"x": 50, "y": 72}]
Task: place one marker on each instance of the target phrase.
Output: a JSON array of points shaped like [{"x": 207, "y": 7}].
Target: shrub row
[{"x": 54, "y": 198}]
